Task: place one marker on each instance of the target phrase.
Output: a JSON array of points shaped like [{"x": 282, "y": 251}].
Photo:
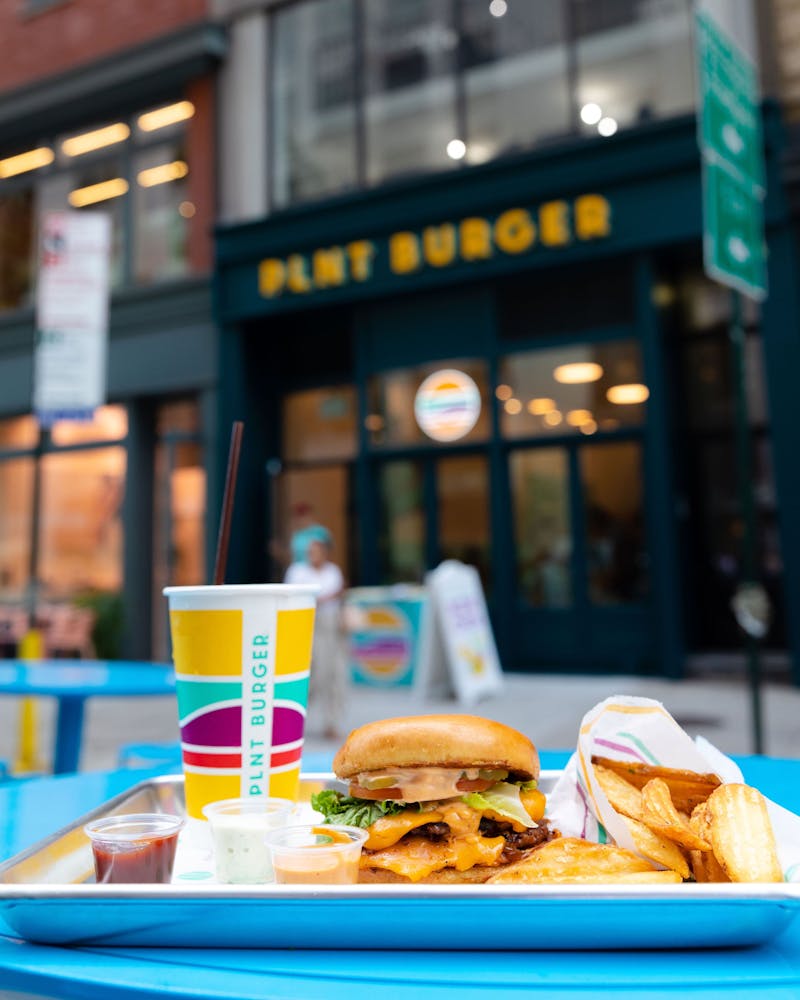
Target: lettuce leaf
[
  {"x": 350, "y": 811},
  {"x": 503, "y": 799}
]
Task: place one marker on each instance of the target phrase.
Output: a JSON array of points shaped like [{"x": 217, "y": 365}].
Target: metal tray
[{"x": 47, "y": 895}]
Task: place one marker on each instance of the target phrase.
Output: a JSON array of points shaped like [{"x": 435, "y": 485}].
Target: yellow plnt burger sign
[{"x": 515, "y": 231}]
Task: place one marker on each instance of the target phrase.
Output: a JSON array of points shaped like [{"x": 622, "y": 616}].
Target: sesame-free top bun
[{"x": 437, "y": 741}]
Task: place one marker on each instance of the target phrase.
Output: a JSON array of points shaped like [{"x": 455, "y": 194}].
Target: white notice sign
[
  {"x": 71, "y": 316},
  {"x": 458, "y": 636}
]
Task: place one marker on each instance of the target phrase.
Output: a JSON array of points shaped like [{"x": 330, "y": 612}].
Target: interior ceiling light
[
  {"x": 607, "y": 126},
  {"x": 162, "y": 174},
  {"x": 512, "y": 406},
  {"x": 553, "y": 418},
  {"x": 456, "y": 149},
  {"x": 497, "y": 8},
  {"x": 504, "y": 391},
  {"x": 624, "y": 395},
  {"x": 541, "y": 405},
  {"x": 591, "y": 113},
  {"x": 23, "y": 162},
  {"x": 103, "y": 191},
  {"x": 588, "y": 427},
  {"x": 77, "y": 145},
  {"x": 577, "y": 417},
  {"x": 170, "y": 114},
  {"x": 578, "y": 372}
]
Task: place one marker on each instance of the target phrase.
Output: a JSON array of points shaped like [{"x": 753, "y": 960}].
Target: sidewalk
[{"x": 546, "y": 707}]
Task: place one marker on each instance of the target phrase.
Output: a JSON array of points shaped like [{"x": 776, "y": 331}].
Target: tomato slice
[
  {"x": 375, "y": 793},
  {"x": 474, "y": 784}
]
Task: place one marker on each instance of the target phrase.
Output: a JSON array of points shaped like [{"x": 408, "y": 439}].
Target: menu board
[{"x": 458, "y": 653}]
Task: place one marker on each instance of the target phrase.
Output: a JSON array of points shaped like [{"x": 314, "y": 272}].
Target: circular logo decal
[{"x": 447, "y": 405}]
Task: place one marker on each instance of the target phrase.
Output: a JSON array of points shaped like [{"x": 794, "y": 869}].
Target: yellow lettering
[
  {"x": 554, "y": 224},
  {"x": 297, "y": 279},
  {"x": 592, "y": 217},
  {"x": 327, "y": 267},
  {"x": 271, "y": 277},
  {"x": 476, "y": 239},
  {"x": 439, "y": 244},
  {"x": 361, "y": 253},
  {"x": 404, "y": 255},
  {"x": 515, "y": 231}
]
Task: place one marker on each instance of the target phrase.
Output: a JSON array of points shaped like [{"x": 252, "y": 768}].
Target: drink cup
[
  {"x": 322, "y": 855},
  {"x": 139, "y": 847},
  {"x": 242, "y": 657},
  {"x": 238, "y": 831}
]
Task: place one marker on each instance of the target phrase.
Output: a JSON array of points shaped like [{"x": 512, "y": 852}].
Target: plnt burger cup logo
[{"x": 447, "y": 405}]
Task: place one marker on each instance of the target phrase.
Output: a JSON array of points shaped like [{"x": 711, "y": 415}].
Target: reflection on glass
[
  {"x": 515, "y": 76},
  {"x": 542, "y": 529},
  {"x": 109, "y": 423},
  {"x": 161, "y": 231},
  {"x": 402, "y": 523},
  {"x": 320, "y": 424},
  {"x": 554, "y": 406},
  {"x": 19, "y": 432},
  {"x": 409, "y": 52},
  {"x": 635, "y": 61},
  {"x": 81, "y": 520},
  {"x": 17, "y": 251},
  {"x": 463, "y": 495},
  {"x": 313, "y": 110},
  {"x": 16, "y": 494},
  {"x": 391, "y": 396},
  {"x": 611, "y": 476}
]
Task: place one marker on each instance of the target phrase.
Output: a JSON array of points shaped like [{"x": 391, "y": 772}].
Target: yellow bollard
[{"x": 31, "y": 647}]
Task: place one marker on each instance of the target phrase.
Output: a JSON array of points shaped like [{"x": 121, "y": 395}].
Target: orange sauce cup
[{"x": 316, "y": 855}]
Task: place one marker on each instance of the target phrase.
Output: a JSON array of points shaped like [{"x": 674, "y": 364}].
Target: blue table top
[
  {"x": 30, "y": 810},
  {"x": 86, "y": 678}
]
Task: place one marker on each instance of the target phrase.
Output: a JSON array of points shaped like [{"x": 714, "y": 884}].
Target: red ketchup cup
[{"x": 139, "y": 847}]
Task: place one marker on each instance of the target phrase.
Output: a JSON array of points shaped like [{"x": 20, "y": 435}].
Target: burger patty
[{"x": 517, "y": 842}]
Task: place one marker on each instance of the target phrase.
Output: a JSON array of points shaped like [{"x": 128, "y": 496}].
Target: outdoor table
[
  {"x": 32, "y": 809},
  {"x": 72, "y": 682}
]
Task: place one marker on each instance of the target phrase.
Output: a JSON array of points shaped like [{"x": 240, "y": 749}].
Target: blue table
[
  {"x": 72, "y": 682},
  {"x": 30, "y": 810}
]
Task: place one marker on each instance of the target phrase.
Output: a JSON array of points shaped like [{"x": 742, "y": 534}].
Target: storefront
[{"x": 580, "y": 456}]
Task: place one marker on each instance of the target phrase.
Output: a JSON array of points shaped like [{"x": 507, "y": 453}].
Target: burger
[{"x": 444, "y": 798}]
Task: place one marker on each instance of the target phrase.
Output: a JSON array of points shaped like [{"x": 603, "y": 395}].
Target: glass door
[
  {"x": 432, "y": 508},
  {"x": 581, "y": 564}
]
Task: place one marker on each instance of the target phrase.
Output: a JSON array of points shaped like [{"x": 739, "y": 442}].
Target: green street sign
[
  {"x": 733, "y": 232},
  {"x": 730, "y": 119},
  {"x": 729, "y": 136}
]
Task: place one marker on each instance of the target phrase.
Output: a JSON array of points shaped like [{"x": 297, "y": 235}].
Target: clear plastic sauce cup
[
  {"x": 319, "y": 854},
  {"x": 139, "y": 847},
  {"x": 238, "y": 828}
]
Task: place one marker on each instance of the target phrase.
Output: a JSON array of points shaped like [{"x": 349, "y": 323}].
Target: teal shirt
[{"x": 301, "y": 539}]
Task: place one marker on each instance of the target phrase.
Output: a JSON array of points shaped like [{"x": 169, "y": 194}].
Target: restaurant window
[
  {"x": 409, "y": 87},
  {"x": 124, "y": 168},
  {"x": 313, "y": 101},
  {"x": 515, "y": 76},
  {"x": 392, "y": 421},
  {"x": 634, "y": 61},
  {"x": 574, "y": 389},
  {"x": 320, "y": 425},
  {"x": 366, "y": 91}
]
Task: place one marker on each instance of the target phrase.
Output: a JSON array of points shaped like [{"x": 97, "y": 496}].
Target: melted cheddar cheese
[
  {"x": 417, "y": 857},
  {"x": 389, "y": 829}
]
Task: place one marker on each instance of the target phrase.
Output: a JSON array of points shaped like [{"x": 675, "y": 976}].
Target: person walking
[{"x": 328, "y": 679}]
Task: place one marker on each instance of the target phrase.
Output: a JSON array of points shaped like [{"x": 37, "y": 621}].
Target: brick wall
[{"x": 71, "y": 33}]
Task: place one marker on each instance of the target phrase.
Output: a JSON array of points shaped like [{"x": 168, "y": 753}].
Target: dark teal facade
[{"x": 649, "y": 178}]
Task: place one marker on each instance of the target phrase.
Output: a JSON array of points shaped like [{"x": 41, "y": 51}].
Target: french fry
[
  {"x": 569, "y": 859},
  {"x": 658, "y": 849},
  {"x": 687, "y": 788},
  {"x": 741, "y": 834},
  {"x": 659, "y": 813},
  {"x": 624, "y": 797},
  {"x": 706, "y": 868}
]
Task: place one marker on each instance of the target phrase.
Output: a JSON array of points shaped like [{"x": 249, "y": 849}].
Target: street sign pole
[{"x": 734, "y": 185}]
